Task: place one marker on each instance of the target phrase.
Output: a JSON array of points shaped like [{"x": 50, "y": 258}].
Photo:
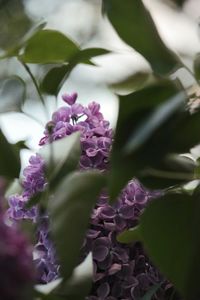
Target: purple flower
[
  {"x": 70, "y": 99},
  {"x": 120, "y": 271}
]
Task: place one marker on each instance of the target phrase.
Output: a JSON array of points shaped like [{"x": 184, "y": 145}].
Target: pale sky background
[{"x": 81, "y": 20}]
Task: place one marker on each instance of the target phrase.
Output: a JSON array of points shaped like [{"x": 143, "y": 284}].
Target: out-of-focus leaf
[
  {"x": 70, "y": 211},
  {"x": 151, "y": 292},
  {"x": 14, "y": 23},
  {"x": 15, "y": 49},
  {"x": 135, "y": 110},
  {"x": 61, "y": 157},
  {"x": 152, "y": 125},
  {"x": 49, "y": 46},
  {"x": 54, "y": 78},
  {"x": 79, "y": 285},
  {"x": 12, "y": 94},
  {"x": 170, "y": 230},
  {"x": 196, "y": 66},
  {"x": 10, "y": 160},
  {"x": 135, "y": 26},
  {"x": 29, "y": 228},
  {"x": 131, "y": 83},
  {"x": 129, "y": 236},
  {"x": 178, "y": 2}
]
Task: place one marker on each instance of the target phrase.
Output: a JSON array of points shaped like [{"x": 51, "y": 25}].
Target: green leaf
[
  {"x": 14, "y": 23},
  {"x": 135, "y": 112},
  {"x": 131, "y": 83},
  {"x": 48, "y": 46},
  {"x": 152, "y": 125},
  {"x": 135, "y": 26},
  {"x": 12, "y": 94},
  {"x": 151, "y": 292},
  {"x": 129, "y": 236},
  {"x": 15, "y": 49},
  {"x": 53, "y": 80},
  {"x": 61, "y": 157},
  {"x": 10, "y": 160},
  {"x": 70, "y": 210},
  {"x": 170, "y": 230},
  {"x": 196, "y": 66},
  {"x": 80, "y": 283}
]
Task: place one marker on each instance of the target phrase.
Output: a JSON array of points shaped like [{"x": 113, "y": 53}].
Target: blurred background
[{"x": 82, "y": 21}]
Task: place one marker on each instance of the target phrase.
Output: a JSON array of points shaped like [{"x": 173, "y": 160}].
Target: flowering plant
[{"x": 111, "y": 211}]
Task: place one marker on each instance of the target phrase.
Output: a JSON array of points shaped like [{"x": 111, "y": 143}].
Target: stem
[{"x": 35, "y": 84}]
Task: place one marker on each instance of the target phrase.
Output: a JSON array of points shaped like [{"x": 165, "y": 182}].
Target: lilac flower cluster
[
  {"x": 120, "y": 271},
  {"x": 17, "y": 272},
  {"x": 44, "y": 252}
]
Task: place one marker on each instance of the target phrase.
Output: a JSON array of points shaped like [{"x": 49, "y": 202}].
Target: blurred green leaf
[
  {"x": 135, "y": 110},
  {"x": 171, "y": 233},
  {"x": 178, "y": 2},
  {"x": 152, "y": 125},
  {"x": 54, "y": 78},
  {"x": 151, "y": 292},
  {"x": 12, "y": 94},
  {"x": 196, "y": 66},
  {"x": 70, "y": 211},
  {"x": 131, "y": 83},
  {"x": 80, "y": 283},
  {"x": 10, "y": 160},
  {"x": 48, "y": 46},
  {"x": 61, "y": 157},
  {"x": 129, "y": 236},
  {"x": 14, "y": 23},
  {"x": 135, "y": 26},
  {"x": 15, "y": 49}
]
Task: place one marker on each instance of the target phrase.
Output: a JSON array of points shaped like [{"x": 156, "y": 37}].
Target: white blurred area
[{"x": 82, "y": 21}]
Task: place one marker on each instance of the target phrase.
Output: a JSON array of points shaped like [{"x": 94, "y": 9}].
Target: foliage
[{"x": 155, "y": 126}]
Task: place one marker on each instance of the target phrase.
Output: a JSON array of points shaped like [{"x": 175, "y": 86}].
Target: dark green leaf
[
  {"x": 10, "y": 160},
  {"x": 49, "y": 46},
  {"x": 14, "y": 51},
  {"x": 171, "y": 233},
  {"x": 129, "y": 236},
  {"x": 54, "y": 79},
  {"x": 135, "y": 111},
  {"x": 151, "y": 292},
  {"x": 135, "y": 26},
  {"x": 197, "y": 66},
  {"x": 12, "y": 94},
  {"x": 80, "y": 283},
  {"x": 131, "y": 83},
  {"x": 14, "y": 23},
  {"x": 61, "y": 157},
  {"x": 70, "y": 211},
  {"x": 178, "y": 2}
]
